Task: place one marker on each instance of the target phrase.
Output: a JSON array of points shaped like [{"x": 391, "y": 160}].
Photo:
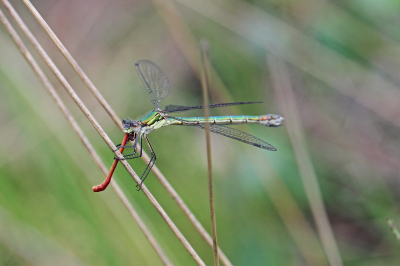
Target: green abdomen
[{"x": 220, "y": 120}]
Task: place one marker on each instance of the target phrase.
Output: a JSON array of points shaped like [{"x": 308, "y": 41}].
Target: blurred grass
[{"x": 344, "y": 59}]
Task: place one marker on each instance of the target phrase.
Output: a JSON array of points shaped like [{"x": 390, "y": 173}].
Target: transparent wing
[
  {"x": 154, "y": 79},
  {"x": 233, "y": 134},
  {"x": 179, "y": 108}
]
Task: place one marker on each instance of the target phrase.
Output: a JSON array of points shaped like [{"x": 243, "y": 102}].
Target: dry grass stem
[
  {"x": 96, "y": 158},
  {"x": 204, "y": 45},
  {"x": 117, "y": 121},
  {"x": 97, "y": 126},
  {"x": 286, "y": 100}
]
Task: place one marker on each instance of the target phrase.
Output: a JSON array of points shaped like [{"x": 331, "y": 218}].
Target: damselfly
[{"x": 157, "y": 84}]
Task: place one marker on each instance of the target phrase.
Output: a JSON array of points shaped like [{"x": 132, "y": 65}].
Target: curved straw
[
  {"x": 47, "y": 84},
  {"x": 171, "y": 191},
  {"x": 205, "y": 85},
  {"x": 94, "y": 122}
]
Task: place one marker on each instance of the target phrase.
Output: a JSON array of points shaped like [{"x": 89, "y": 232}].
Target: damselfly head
[
  {"x": 271, "y": 120},
  {"x": 130, "y": 126}
]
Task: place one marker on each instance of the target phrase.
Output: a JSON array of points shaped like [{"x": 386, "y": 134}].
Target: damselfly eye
[
  {"x": 134, "y": 124},
  {"x": 127, "y": 123}
]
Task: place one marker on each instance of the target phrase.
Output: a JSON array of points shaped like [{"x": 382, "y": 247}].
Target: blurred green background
[{"x": 343, "y": 58}]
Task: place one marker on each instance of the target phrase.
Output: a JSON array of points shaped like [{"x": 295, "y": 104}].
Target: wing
[
  {"x": 179, "y": 108},
  {"x": 155, "y": 81},
  {"x": 235, "y": 134}
]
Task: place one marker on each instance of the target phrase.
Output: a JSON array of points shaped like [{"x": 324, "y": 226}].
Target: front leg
[
  {"x": 130, "y": 151},
  {"x": 149, "y": 165}
]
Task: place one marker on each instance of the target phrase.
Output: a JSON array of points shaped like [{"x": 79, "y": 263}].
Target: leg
[
  {"x": 129, "y": 154},
  {"x": 150, "y": 165}
]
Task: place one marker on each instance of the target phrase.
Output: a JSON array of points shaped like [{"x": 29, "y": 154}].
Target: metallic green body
[
  {"x": 153, "y": 120},
  {"x": 157, "y": 119}
]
